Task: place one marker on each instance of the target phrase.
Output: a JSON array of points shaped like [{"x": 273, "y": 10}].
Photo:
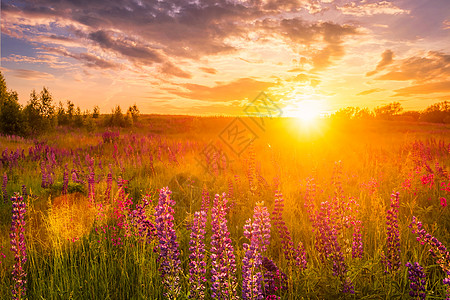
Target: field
[{"x": 332, "y": 211}]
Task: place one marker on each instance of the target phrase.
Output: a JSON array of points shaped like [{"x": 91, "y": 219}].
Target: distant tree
[
  {"x": 78, "y": 118},
  {"x": 96, "y": 112},
  {"x": 11, "y": 116},
  {"x": 128, "y": 120},
  {"x": 134, "y": 111},
  {"x": 61, "y": 115},
  {"x": 437, "y": 113},
  {"x": 387, "y": 112},
  {"x": 40, "y": 112},
  {"x": 117, "y": 117},
  {"x": 3, "y": 90},
  {"x": 353, "y": 113},
  {"x": 70, "y": 111},
  {"x": 410, "y": 115}
]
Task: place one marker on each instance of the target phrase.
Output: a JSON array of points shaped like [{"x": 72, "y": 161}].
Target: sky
[{"x": 215, "y": 57}]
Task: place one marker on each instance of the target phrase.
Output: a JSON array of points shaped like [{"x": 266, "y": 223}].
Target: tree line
[
  {"x": 436, "y": 113},
  {"x": 40, "y": 114}
]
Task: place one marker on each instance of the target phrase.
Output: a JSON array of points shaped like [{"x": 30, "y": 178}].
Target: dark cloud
[
  {"x": 235, "y": 90},
  {"x": 298, "y": 31},
  {"x": 386, "y": 59},
  {"x": 128, "y": 48},
  {"x": 88, "y": 59}
]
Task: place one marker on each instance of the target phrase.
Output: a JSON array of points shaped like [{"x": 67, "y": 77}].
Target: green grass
[{"x": 93, "y": 267}]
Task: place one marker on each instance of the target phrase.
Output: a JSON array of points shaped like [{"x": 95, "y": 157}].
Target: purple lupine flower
[
  {"x": 65, "y": 180},
  {"x": 437, "y": 249},
  {"x": 310, "y": 197},
  {"x": 300, "y": 256},
  {"x": 275, "y": 280},
  {"x": 140, "y": 221},
  {"x": 357, "y": 244},
  {"x": 44, "y": 182},
  {"x": 223, "y": 272},
  {"x": 24, "y": 190},
  {"x": 91, "y": 186},
  {"x": 205, "y": 199},
  {"x": 292, "y": 254},
  {"x": 197, "y": 258},
  {"x": 392, "y": 258},
  {"x": 417, "y": 280},
  {"x": 168, "y": 246},
  {"x": 329, "y": 247},
  {"x": 4, "y": 191},
  {"x": 18, "y": 247},
  {"x": 109, "y": 181},
  {"x": 258, "y": 233}
]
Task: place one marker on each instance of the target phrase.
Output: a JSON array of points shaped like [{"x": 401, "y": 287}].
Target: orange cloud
[
  {"x": 427, "y": 88},
  {"x": 368, "y": 92},
  {"x": 236, "y": 90}
]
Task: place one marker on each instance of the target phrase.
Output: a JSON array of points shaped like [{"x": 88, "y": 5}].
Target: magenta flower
[{"x": 443, "y": 201}]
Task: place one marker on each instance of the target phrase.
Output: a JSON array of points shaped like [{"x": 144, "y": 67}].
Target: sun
[{"x": 308, "y": 111}]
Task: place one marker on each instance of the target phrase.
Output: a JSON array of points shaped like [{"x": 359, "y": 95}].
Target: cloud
[
  {"x": 435, "y": 65},
  {"x": 125, "y": 47},
  {"x": 88, "y": 59},
  {"x": 386, "y": 59},
  {"x": 224, "y": 92},
  {"x": 170, "y": 69},
  {"x": 427, "y": 88},
  {"x": 369, "y": 9},
  {"x": 368, "y": 92},
  {"x": 208, "y": 70},
  {"x": 31, "y": 74}
]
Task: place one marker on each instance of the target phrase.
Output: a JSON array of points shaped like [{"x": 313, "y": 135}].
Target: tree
[
  {"x": 70, "y": 110},
  {"x": 134, "y": 111},
  {"x": 61, "y": 115},
  {"x": 40, "y": 112},
  {"x": 96, "y": 112},
  {"x": 387, "y": 112},
  {"x": 437, "y": 113},
  {"x": 11, "y": 116}
]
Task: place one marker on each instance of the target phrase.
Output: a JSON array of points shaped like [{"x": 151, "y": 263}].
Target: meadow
[{"x": 224, "y": 208}]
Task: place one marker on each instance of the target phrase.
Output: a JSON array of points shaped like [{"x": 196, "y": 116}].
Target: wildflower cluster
[
  {"x": 392, "y": 258},
  {"x": 140, "y": 221},
  {"x": 291, "y": 253},
  {"x": 197, "y": 257},
  {"x": 275, "y": 280},
  {"x": 436, "y": 248},
  {"x": 168, "y": 246},
  {"x": 417, "y": 280},
  {"x": 4, "y": 191},
  {"x": 328, "y": 245},
  {"x": 224, "y": 283},
  {"x": 18, "y": 247},
  {"x": 258, "y": 233}
]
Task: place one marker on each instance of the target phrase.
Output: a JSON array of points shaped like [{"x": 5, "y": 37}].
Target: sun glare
[{"x": 308, "y": 111}]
